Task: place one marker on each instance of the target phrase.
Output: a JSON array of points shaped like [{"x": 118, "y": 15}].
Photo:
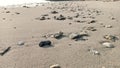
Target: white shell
[
  {"x": 108, "y": 45},
  {"x": 55, "y": 66}
]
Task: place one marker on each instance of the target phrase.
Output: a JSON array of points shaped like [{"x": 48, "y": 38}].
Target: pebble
[
  {"x": 54, "y": 12},
  {"x": 42, "y": 18},
  {"x": 91, "y": 29},
  {"x": 108, "y": 45},
  {"x": 74, "y": 36},
  {"x": 94, "y": 52},
  {"x": 7, "y": 11},
  {"x": 108, "y": 26},
  {"x": 83, "y": 33},
  {"x": 21, "y": 43},
  {"x": 93, "y": 21},
  {"x": 17, "y": 13},
  {"x": 70, "y": 18},
  {"x": 55, "y": 66},
  {"x": 58, "y": 35},
  {"x": 45, "y": 43},
  {"x": 111, "y": 37},
  {"x": 61, "y": 17}
]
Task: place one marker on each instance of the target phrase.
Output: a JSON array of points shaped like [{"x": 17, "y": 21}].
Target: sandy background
[{"x": 66, "y": 52}]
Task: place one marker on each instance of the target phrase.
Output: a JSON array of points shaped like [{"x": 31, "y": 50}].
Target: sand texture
[{"x": 86, "y": 27}]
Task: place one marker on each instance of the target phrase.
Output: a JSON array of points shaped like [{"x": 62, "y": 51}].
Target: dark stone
[
  {"x": 41, "y": 18},
  {"x": 25, "y": 7},
  {"x": 54, "y": 12},
  {"x": 93, "y": 21},
  {"x": 7, "y": 11},
  {"x": 45, "y": 43},
  {"x": 61, "y": 17}
]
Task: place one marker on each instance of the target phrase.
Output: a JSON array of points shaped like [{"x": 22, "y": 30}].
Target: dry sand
[{"x": 22, "y": 24}]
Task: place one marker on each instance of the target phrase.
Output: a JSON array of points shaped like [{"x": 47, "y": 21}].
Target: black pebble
[{"x": 45, "y": 43}]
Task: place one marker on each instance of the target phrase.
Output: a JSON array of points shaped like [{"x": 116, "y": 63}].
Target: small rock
[
  {"x": 61, "y": 17},
  {"x": 45, "y": 15},
  {"x": 70, "y": 18},
  {"x": 54, "y": 12},
  {"x": 58, "y": 35},
  {"x": 45, "y": 43},
  {"x": 108, "y": 45},
  {"x": 21, "y": 43},
  {"x": 7, "y": 11},
  {"x": 83, "y": 33},
  {"x": 41, "y": 18},
  {"x": 91, "y": 29},
  {"x": 93, "y": 21},
  {"x": 111, "y": 37},
  {"x": 4, "y": 18},
  {"x": 25, "y": 6},
  {"x": 17, "y": 13},
  {"x": 95, "y": 52},
  {"x": 74, "y": 36},
  {"x": 55, "y": 66},
  {"x": 108, "y": 26}
]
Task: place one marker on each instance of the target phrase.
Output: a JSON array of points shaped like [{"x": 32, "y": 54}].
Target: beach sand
[{"x": 30, "y": 24}]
